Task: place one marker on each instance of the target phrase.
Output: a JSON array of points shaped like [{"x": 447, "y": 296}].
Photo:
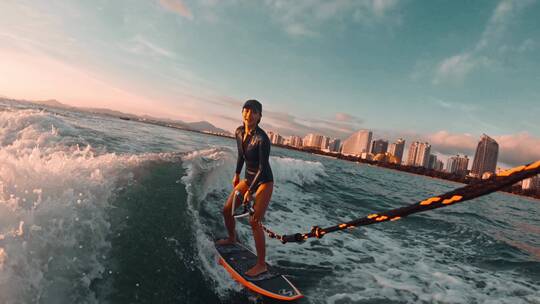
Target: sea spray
[{"x": 53, "y": 199}]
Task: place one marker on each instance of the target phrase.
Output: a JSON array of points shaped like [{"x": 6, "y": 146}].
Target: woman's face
[{"x": 250, "y": 117}]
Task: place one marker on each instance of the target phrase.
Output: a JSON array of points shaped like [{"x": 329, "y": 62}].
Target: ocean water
[{"x": 95, "y": 209}]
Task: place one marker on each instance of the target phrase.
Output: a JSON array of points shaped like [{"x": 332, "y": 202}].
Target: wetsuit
[{"x": 255, "y": 152}]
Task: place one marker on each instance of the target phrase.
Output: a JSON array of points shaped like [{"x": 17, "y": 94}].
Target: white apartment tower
[
  {"x": 419, "y": 154},
  {"x": 357, "y": 143}
]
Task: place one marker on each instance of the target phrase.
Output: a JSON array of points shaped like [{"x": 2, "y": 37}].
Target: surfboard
[{"x": 237, "y": 259}]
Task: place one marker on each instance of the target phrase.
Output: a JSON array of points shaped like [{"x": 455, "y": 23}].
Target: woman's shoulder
[
  {"x": 239, "y": 130},
  {"x": 261, "y": 133}
]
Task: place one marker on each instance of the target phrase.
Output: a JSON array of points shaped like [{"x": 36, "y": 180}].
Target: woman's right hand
[{"x": 235, "y": 180}]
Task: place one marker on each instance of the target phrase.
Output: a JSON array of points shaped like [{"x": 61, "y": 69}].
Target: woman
[{"x": 253, "y": 149}]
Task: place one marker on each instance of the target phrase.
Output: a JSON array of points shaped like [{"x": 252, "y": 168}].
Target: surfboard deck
[{"x": 237, "y": 259}]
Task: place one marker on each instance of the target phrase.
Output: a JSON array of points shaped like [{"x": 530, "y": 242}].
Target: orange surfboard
[{"x": 237, "y": 259}]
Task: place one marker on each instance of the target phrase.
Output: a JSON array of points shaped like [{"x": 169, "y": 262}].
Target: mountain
[
  {"x": 108, "y": 112},
  {"x": 52, "y": 103},
  {"x": 201, "y": 126},
  {"x": 206, "y": 126}
]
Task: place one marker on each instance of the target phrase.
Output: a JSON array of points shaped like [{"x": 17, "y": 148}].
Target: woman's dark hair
[{"x": 254, "y": 105}]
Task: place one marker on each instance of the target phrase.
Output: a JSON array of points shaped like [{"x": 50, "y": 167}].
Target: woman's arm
[
  {"x": 239, "y": 162},
  {"x": 240, "y": 157}
]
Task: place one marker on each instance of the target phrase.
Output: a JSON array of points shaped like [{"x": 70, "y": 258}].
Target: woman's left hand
[{"x": 247, "y": 197}]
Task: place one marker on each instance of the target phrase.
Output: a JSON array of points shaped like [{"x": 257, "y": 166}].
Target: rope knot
[{"x": 317, "y": 231}]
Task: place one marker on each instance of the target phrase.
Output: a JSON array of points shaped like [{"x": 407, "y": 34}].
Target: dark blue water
[{"x": 95, "y": 209}]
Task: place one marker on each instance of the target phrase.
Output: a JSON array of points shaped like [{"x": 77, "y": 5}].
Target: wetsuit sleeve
[
  {"x": 239, "y": 162},
  {"x": 264, "y": 156},
  {"x": 240, "y": 158}
]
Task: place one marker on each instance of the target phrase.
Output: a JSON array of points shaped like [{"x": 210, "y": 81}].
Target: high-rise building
[
  {"x": 432, "y": 161},
  {"x": 419, "y": 154},
  {"x": 450, "y": 164},
  {"x": 397, "y": 148},
  {"x": 411, "y": 156},
  {"x": 457, "y": 164},
  {"x": 357, "y": 143},
  {"x": 325, "y": 142},
  {"x": 485, "y": 158},
  {"x": 379, "y": 146},
  {"x": 439, "y": 165},
  {"x": 313, "y": 141},
  {"x": 295, "y": 141},
  {"x": 275, "y": 138},
  {"x": 531, "y": 184},
  {"x": 422, "y": 156},
  {"x": 335, "y": 145}
]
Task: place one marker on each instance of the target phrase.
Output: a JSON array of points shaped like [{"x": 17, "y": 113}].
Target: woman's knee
[{"x": 242, "y": 186}]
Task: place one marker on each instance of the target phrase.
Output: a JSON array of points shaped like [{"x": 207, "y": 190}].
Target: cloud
[
  {"x": 347, "y": 117},
  {"x": 448, "y": 143},
  {"x": 306, "y": 17},
  {"x": 518, "y": 148},
  {"x": 178, "y": 7},
  {"x": 380, "y": 7},
  {"x": 526, "y": 46},
  {"x": 463, "y": 107},
  {"x": 456, "y": 68},
  {"x": 504, "y": 13},
  {"x": 297, "y": 29},
  {"x": 141, "y": 46}
]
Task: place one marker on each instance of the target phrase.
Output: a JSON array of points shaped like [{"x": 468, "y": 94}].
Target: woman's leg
[
  {"x": 262, "y": 199},
  {"x": 230, "y": 223}
]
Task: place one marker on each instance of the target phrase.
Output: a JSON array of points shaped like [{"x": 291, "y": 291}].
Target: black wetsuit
[{"x": 255, "y": 151}]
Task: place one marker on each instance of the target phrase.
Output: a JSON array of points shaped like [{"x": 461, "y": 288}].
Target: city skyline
[
  {"x": 330, "y": 67},
  {"x": 359, "y": 144}
]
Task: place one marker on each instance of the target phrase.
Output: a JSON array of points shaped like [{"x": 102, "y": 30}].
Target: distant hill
[
  {"x": 201, "y": 126},
  {"x": 205, "y": 126},
  {"x": 52, "y": 103}
]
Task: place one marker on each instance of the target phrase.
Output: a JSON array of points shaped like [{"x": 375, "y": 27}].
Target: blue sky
[{"x": 442, "y": 71}]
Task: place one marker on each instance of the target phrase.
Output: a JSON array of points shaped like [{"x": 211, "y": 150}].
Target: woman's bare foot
[
  {"x": 256, "y": 270},
  {"x": 227, "y": 241}
]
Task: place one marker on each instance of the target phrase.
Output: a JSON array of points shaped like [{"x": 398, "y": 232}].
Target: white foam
[
  {"x": 207, "y": 171},
  {"x": 300, "y": 172},
  {"x": 53, "y": 202},
  {"x": 411, "y": 274}
]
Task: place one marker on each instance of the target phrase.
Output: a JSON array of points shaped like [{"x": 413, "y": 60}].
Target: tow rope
[{"x": 469, "y": 192}]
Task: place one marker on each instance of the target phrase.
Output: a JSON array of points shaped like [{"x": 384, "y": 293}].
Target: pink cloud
[
  {"x": 341, "y": 126},
  {"x": 449, "y": 143},
  {"x": 177, "y": 6},
  {"x": 514, "y": 149},
  {"x": 518, "y": 148},
  {"x": 346, "y": 117}
]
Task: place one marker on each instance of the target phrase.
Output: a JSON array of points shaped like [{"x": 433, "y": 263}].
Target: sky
[{"x": 438, "y": 71}]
